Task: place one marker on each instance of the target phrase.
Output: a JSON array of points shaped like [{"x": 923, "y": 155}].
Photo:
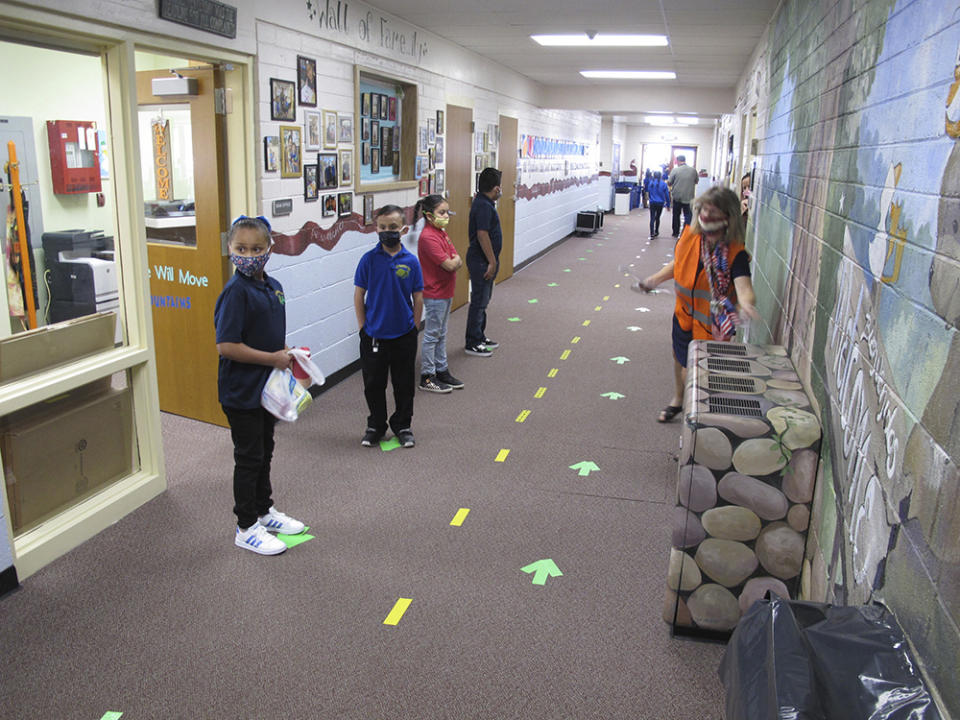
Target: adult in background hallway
[
  {"x": 711, "y": 272},
  {"x": 682, "y": 181},
  {"x": 659, "y": 197},
  {"x": 483, "y": 258}
]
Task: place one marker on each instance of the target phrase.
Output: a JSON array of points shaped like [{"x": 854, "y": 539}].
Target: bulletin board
[{"x": 386, "y": 112}]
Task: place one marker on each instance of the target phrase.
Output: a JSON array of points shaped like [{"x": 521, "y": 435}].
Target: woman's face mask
[{"x": 711, "y": 219}]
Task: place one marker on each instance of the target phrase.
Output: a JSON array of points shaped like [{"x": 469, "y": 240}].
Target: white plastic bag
[
  {"x": 283, "y": 397},
  {"x": 304, "y": 369}
]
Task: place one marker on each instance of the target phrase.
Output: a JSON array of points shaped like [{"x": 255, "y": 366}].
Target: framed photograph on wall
[
  {"x": 368, "y": 209},
  {"x": 375, "y": 106},
  {"x": 422, "y": 146},
  {"x": 327, "y": 175},
  {"x": 329, "y": 205},
  {"x": 365, "y": 104},
  {"x": 392, "y": 112},
  {"x": 375, "y": 133},
  {"x": 311, "y": 126},
  {"x": 384, "y": 107},
  {"x": 330, "y": 130},
  {"x": 431, "y": 131},
  {"x": 439, "y": 122},
  {"x": 310, "y": 183},
  {"x": 375, "y": 160},
  {"x": 271, "y": 153},
  {"x": 346, "y": 167},
  {"x": 344, "y": 204},
  {"x": 424, "y": 188},
  {"x": 291, "y": 158},
  {"x": 346, "y": 128},
  {"x": 283, "y": 104},
  {"x": 439, "y": 150},
  {"x": 440, "y": 182},
  {"x": 307, "y": 80},
  {"x": 365, "y": 154},
  {"x": 365, "y": 130}
]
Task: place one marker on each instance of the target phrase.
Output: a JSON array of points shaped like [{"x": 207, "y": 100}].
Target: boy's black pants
[
  {"x": 252, "y": 433},
  {"x": 396, "y": 358}
]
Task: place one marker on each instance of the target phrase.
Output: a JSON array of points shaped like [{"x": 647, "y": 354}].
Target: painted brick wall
[
  {"x": 857, "y": 269},
  {"x": 318, "y": 283}
]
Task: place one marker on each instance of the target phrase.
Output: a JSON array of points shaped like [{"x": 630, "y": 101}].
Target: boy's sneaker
[
  {"x": 257, "y": 539},
  {"x": 406, "y": 438},
  {"x": 431, "y": 384},
  {"x": 278, "y": 522},
  {"x": 478, "y": 350},
  {"x": 490, "y": 344},
  {"x": 371, "y": 437},
  {"x": 446, "y": 378}
]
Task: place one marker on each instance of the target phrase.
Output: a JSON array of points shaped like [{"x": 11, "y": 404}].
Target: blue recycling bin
[{"x": 636, "y": 196}]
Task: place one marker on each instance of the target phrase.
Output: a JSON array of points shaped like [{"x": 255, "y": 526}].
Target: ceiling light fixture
[
  {"x": 601, "y": 40},
  {"x": 630, "y": 74}
]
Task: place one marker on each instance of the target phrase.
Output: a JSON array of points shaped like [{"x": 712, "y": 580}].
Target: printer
[{"x": 83, "y": 273}]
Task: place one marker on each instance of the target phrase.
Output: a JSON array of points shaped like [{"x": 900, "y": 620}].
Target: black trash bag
[{"x": 792, "y": 660}]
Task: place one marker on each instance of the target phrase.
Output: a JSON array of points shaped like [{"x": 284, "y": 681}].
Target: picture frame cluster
[{"x": 323, "y": 131}]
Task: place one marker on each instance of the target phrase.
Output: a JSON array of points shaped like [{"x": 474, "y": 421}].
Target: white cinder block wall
[{"x": 318, "y": 283}]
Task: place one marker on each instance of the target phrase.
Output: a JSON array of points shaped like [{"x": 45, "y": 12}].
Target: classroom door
[
  {"x": 460, "y": 186},
  {"x": 507, "y": 204},
  {"x": 183, "y": 155}
]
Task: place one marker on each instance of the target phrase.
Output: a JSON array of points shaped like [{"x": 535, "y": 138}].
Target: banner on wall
[{"x": 534, "y": 146}]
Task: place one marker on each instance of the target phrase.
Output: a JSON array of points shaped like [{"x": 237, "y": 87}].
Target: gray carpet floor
[{"x": 160, "y": 616}]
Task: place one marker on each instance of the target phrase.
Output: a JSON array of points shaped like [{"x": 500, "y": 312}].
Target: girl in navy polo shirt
[{"x": 251, "y": 328}]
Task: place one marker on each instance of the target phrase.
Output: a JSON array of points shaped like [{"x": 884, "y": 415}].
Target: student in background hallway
[
  {"x": 388, "y": 301},
  {"x": 647, "y": 179},
  {"x": 659, "y": 197},
  {"x": 439, "y": 261},
  {"x": 483, "y": 258},
  {"x": 251, "y": 327},
  {"x": 745, "y": 182},
  {"x": 682, "y": 181},
  {"x": 711, "y": 272}
]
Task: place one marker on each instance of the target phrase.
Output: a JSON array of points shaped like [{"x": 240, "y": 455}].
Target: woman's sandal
[{"x": 669, "y": 413}]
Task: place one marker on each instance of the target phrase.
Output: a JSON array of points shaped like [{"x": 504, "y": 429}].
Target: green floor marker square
[
  {"x": 566, "y": 269},
  {"x": 290, "y": 541},
  {"x": 388, "y": 445},
  {"x": 513, "y": 319},
  {"x": 112, "y": 715}
]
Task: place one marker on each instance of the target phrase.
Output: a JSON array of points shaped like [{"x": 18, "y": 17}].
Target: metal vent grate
[
  {"x": 726, "y": 383},
  {"x": 725, "y": 365},
  {"x": 735, "y": 406},
  {"x": 715, "y": 348}
]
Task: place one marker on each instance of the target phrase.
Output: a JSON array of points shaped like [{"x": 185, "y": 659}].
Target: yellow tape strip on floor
[
  {"x": 539, "y": 393},
  {"x": 502, "y": 455},
  {"x": 586, "y": 322},
  {"x": 576, "y": 339},
  {"x": 398, "y": 610},
  {"x": 523, "y": 416},
  {"x": 598, "y": 308},
  {"x": 553, "y": 372},
  {"x": 565, "y": 354},
  {"x": 460, "y": 517}
]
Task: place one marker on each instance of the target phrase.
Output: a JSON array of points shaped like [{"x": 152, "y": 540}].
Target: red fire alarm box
[{"x": 74, "y": 156}]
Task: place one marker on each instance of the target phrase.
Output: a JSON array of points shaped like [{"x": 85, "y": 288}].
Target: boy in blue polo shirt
[
  {"x": 388, "y": 300},
  {"x": 251, "y": 328}
]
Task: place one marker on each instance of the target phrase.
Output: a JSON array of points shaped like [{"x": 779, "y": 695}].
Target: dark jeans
[
  {"x": 687, "y": 216},
  {"x": 252, "y": 433},
  {"x": 395, "y": 358},
  {"x": 655, "y": 210},
  {"x": 481, "y": 290}
]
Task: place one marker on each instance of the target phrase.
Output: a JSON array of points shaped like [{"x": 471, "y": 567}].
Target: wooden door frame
[
  {"x": 507, "y": 160},
  {"x": 459, "y": 180}
]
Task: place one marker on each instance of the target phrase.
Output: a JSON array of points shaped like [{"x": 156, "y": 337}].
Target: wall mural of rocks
[{"x": 748, "y": 463}]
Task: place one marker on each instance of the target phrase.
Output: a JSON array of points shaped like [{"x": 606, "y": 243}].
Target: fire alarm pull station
[{"x": 74, "y": 156}]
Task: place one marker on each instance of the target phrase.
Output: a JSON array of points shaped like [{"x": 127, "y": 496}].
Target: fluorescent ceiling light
[
  {"x": 602, "y": 40},
  {"x": 630, "y": 74},
  {"x": 669, "y": 120}
]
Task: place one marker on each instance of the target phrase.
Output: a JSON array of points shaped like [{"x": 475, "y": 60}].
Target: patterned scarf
[{"x": 723, "y": 313}]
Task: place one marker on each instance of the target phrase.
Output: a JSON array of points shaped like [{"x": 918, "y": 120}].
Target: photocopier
[{"x": 83, "y": 273}]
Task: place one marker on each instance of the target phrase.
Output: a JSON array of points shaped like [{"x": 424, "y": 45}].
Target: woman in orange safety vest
[{"x": 711, "y": 274}]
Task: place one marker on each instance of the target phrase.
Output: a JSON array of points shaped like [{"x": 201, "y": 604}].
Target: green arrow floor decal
[
  {"x": 585, "y": 467},
  {"x": 541, "y": 569}
]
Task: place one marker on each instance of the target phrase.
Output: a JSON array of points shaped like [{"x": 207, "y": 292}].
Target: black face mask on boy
[{"x": 389, "y": 238}]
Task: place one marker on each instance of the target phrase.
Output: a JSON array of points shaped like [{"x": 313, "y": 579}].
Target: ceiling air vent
[
  {"x": 724, "y": 365},
  {"x": 727, "y": 383},
  {"x": 716, "y": 348},
  {"x": 735, "y": 406}
]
